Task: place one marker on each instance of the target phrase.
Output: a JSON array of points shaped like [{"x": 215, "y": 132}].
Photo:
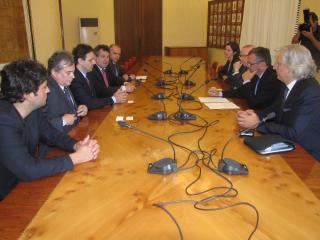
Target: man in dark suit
[
  {"x": 103, "y": 81},
  {"x": 122, "y": 78},
  {"x": 297, "y": 108},
  {"x": 82, "y": 87},
  {"x": 23, "y": 126},
  {"x": 61, "y": 108},
  {"x": 262, "y": 90},
  {"x": 241, "y": 72}
]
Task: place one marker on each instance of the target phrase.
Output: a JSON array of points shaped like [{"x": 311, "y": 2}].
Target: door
[{"x": 138, "y": 27}]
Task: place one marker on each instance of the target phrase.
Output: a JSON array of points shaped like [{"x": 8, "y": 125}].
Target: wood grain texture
[
  {"x": 113, "y": 197},
  {"x": 138, "y": 27},
  {"x": 13, "y": 37},
  {"x": 187, "y": 51}
]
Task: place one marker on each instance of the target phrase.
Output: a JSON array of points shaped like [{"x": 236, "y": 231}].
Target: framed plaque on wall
[{"x": 224, "y": 22}]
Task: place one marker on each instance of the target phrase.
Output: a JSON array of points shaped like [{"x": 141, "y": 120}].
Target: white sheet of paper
[
  {"x": 213, "y": 100},
  {"x": 119, "y": 118},
  {"x": 141, "y": 77},
  {"x": 129, "y": 118},
  {"x": 227, "y": 105}
]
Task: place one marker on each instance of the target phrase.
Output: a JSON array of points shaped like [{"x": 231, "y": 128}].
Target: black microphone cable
[
  {"x": 183, "y": 71},
  {"x": 127, "y": 125},
  {"x": 159, "y": 81},
  {"x": 224, "y": 195},
  {"x": 197, "y": 204},
  {"x": 271, "y": 115},
  {"x": 229, "y": 191},
  {"x": 162, "y": 205},
  {"x": 191, "y": 152},
  {"x": 170, "y": 71},
  {"x": 187, "y": 78},
  {"x": 204, "y": 158}
]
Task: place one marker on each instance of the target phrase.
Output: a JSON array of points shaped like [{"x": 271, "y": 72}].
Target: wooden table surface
[{"x": 114, "y": 196}]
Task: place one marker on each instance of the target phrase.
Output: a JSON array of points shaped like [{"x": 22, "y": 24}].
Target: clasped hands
[
  {"x": 85, "y": 150},
  {"x": 70, "y": 118},
  {"x": 248, "y": 119}
]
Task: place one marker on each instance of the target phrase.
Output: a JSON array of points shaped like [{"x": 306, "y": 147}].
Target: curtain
[{"x": 269, "y": 23}]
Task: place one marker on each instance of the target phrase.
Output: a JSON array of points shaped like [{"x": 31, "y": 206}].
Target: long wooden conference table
[{"x": 115, "y": 198}]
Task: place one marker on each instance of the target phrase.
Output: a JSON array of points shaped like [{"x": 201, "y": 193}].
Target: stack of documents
[
  {"x": 141, "y": 78},
  {"x": 218, "y": 103}
]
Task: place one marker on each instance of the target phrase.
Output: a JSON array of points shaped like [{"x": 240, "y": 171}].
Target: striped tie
[
  {"x": 256, "y": 87},
  {"x": 105, "y": 79}
]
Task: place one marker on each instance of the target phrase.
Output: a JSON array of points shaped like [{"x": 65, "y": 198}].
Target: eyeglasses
[
  {"x": 243, "y": 55},
  {"x": 252, "y": 64}
]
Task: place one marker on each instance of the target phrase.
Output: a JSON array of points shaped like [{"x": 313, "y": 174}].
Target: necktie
[
  {"x": 89, "y": 85},
  {"x": 69, "y": 98},
  {"x": 116, "y": 70},
  {"x": 285, "y": 93},
  {"x": 256, "y": 87},
  {"x": 105, "y": 79},
  {"x": 284, "y": 97},
  {"x": 88, "y": 82}
]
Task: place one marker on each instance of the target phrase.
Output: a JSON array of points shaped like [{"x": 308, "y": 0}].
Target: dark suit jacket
[
  {"x": 235, "y": 80},
  {"x": 267, "y": 91},
  {"x": 118, "y": 80},
  {"x": 298, "y": 119},
  {"x": 58, "y": 105},
  {"x": 86, "y": 95},
  {"x": 19, "y": 139},
  {"x": 227, "y": 69},
  {"x": 99, "y": 85}
]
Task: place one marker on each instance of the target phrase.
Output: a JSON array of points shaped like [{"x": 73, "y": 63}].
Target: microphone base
[
  {"x": 183, "y": 116},
  {"x": 161, "y": 83},
  {"x": 183, "y": 72},
  {"x": 159, "y": 96},
  {"x": 167, "y": 72},
  {"x": 189, "y": 83},
  {"x": 158, "y": 116},
  {"x": 164, "y": 166},
  {"x": 232, "y": 167},
  {"x": 186, "y": 97}
]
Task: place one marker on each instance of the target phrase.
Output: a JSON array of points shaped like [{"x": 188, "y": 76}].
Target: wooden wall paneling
[
  {"x": 126, "y": 27},
  {"x": 151, "y": 27},
  {"x": 138, "y": 27},
  {"x": 201, "y": 52},
  {"x": 13, "y": 37}
]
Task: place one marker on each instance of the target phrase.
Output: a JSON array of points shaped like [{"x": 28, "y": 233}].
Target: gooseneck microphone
[
  {"x": 201, "y": 61},
  {"x": 159, "y": 82},
  {"x": 268, "y": 117},
  {"x": 230, "y": 166},
  {"x": 169, "y": 71},
  {"x": 188, "y": 96},
  {"x": 156, "y": 96},
  {"x": 188, "y": 82},
  {"x": 161, "y": 115},
  {"x": 163, "y": 166},
  {"x": 183, "y": 71},
  {"x": 182, "y": 115}
]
